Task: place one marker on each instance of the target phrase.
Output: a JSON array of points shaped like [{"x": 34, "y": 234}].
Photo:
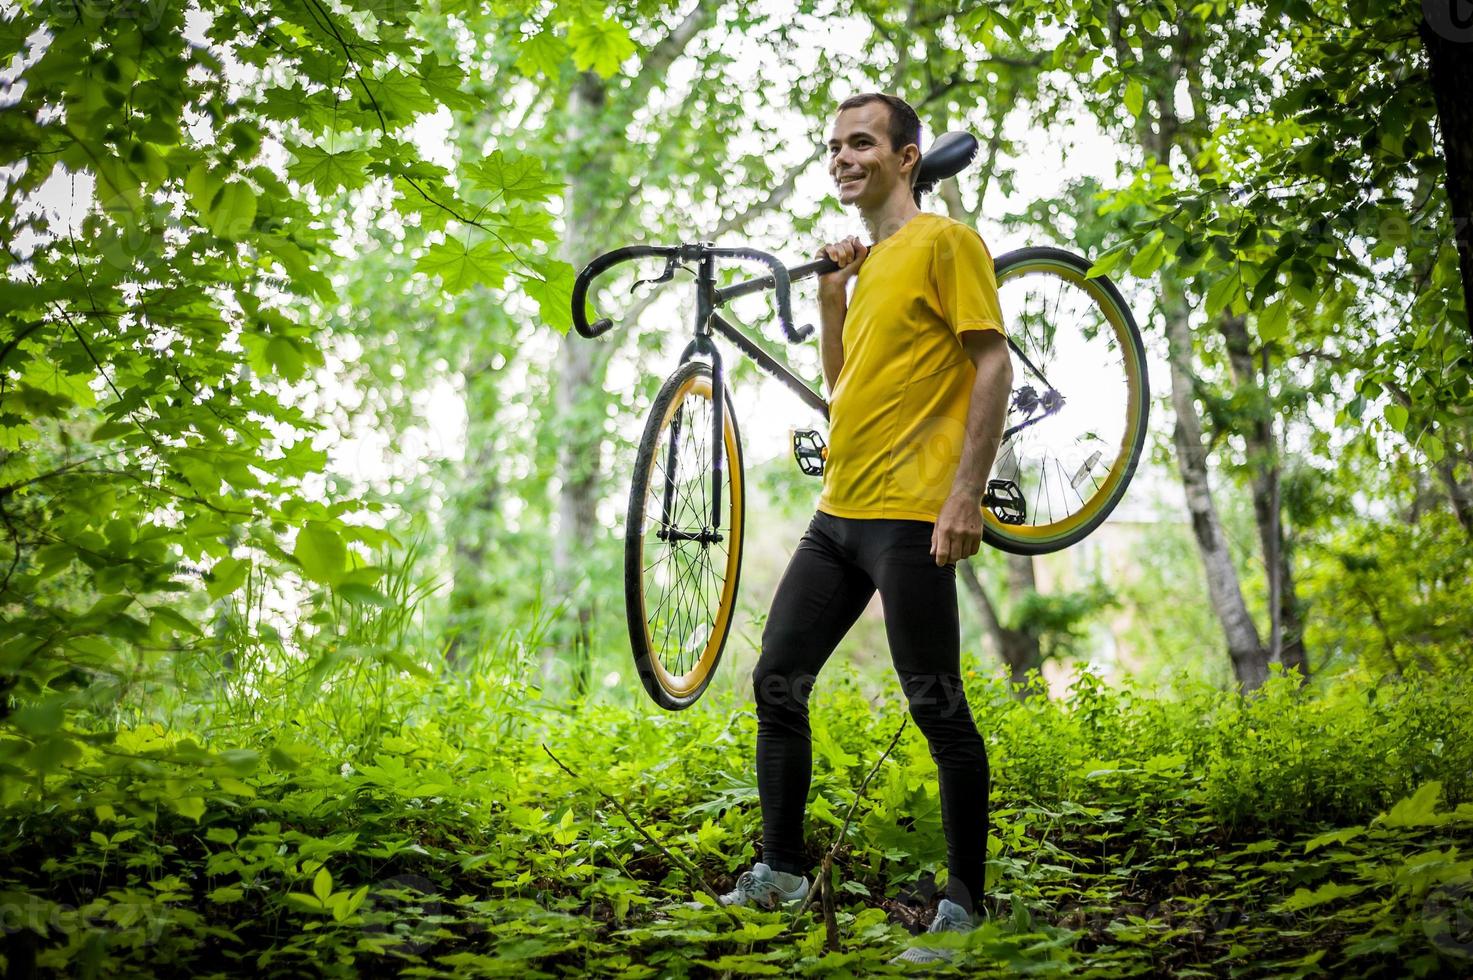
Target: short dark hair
[{"x": 905, "y": 125}]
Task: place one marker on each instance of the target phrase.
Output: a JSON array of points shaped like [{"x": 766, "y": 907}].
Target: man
[{"x": 919, "y": 376}]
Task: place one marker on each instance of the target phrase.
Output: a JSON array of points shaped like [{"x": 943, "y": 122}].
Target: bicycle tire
[
  {"x": 1034, "y": 539},
  {"x": 671, "y": 681}
]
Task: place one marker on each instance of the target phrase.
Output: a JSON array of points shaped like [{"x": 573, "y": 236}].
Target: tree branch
[
  {"x": 774, "y": 199},
  {"x": 669, "y": 48}
]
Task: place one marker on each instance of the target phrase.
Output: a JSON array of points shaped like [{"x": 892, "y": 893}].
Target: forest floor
[{"x": 422, "y": 827}]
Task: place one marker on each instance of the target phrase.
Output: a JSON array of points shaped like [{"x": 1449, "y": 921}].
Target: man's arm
[
  {"x": 833, "y": 302},
  {"x": 958, "y": 531},
  {"x": 833, "y": 305},
  {"x": 986, "y": 411}
]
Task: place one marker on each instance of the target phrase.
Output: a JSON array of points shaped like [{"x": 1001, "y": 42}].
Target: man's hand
[
  {"x": 850, "y": 254},
  {"x": 958, "y": 531}
]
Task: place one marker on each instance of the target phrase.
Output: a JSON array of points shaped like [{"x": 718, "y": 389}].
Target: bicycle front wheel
[
  {"x": 1076, "y": 421},
  {"x": 683, "y": 550}
]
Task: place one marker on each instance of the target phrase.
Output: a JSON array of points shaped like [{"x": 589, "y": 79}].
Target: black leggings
[{"x": 838, "y": 565}]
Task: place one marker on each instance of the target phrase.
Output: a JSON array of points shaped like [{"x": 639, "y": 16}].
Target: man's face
[{"x": 861, "y": 162}]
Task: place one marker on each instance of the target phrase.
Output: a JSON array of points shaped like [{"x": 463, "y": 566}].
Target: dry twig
[
  {"x": 825, "y": 872},
  {"x": 677, "y": 859}
]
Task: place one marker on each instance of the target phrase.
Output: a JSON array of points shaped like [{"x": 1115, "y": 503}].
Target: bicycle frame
[{"x": 708, "y": 299}]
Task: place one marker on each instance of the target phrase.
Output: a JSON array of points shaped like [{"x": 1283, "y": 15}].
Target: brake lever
[{"x": 671, "y": 264}]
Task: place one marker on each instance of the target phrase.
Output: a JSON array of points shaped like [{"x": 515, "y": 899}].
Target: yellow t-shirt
[{"x": 898, "y": 411}]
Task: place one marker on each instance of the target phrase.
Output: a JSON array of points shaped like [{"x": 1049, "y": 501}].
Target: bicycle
[{"x": 685, "y": 520}]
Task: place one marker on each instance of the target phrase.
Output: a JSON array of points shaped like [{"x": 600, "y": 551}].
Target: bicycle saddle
[{"x": 947, "y": 157}]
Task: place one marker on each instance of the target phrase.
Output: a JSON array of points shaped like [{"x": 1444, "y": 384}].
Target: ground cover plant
[{"x": 418, "y": 820}]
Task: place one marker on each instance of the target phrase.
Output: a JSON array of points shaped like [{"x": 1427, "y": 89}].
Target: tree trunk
[
  {"x": 1460, "y": 493},
  {"x": 578, "y": 424},
  {"x": 1263, "y": 458},
  {"x": 480, "y": 525},
  {"x": 1250, "y": 661},
  {"x": 1017, "y": 649},
  {"x": 1448, "y": 40}
]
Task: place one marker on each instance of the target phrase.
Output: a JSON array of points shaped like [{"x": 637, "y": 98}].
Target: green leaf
[
  {"x": 1396, "y": 417},
  {"x": 329, "y": 172},
  {"x": 356, "y": 899},
  {"x": 321, "y": 553},
  {"x": 1432, "y": 446},
  {"x": 1273, "y": 322},
  {"x": 236, "y": 787},
  {"x": 228, "y": 575},
  {"x": 190, "y": 806},
  {"x": 1135, "y": 99},
  {"x": 1303, "y": 898},
  {"x": 322, "y": 885},
  {"x": 600, "y": 45},
  {"x": 305, "y": 903},
  {"x": 202, "y": 184},
  {"x": 42, "y": 718},
  {"x": 1107, "y": 262},
  {"x": 542, "y": 54},
  {"x": 445, "y": 83},
  {"x": 363, "y": 595},
  {"x": 399, "y": 96},
  {"x": 173, "y": 621},
  {"x": 1148, "y": 259},
  {"x": 1417, "y": 810},
  {"x": 516, "y": 177},
  {"x": 460, "y": 268},
  {"x": 553, "y": 293},
  {"x": 1334, "y": 837},
  {"x": 1223, "y": 292},
  {"x": 233, "y": 211},
  {"x": 285, "y": 357}
]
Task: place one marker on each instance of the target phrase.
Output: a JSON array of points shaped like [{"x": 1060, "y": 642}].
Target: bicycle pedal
[
  {"x": 810, "y": 450},
  {"x": 1006, "y": 501}
]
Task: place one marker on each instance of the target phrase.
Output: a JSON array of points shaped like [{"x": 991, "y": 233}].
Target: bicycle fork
[{"x": 701, "y": 344}]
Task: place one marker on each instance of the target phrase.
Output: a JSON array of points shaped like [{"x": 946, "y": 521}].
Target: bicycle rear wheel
[
  {"x": 682, "y": 559},
  {"x": 1076, "y": 421}
]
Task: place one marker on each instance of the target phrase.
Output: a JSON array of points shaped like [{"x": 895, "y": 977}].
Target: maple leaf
[{"x": 459, "y": 268}]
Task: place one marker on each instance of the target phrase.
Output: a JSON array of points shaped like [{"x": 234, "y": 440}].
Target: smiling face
[{"x": 862, "y": 164}]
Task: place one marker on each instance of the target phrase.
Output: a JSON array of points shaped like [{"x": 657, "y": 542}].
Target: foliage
[
  {"x": 153, "y": 457},
  {"x": 1403, "y": 614},
  {"x": 399, "y": 819}
]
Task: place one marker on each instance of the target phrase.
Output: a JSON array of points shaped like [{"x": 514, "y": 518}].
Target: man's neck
[{"x": 889, "y": 217}]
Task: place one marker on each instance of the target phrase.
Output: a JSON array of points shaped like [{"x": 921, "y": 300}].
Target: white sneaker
[
  {"x": 766, "y": 888},
  {"x": 950, "y": 917}
]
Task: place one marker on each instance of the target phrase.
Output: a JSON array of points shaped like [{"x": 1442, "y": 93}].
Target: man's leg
[
  {"x": 818, "y": 599},
  {"x": 925, "y": 644}
]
